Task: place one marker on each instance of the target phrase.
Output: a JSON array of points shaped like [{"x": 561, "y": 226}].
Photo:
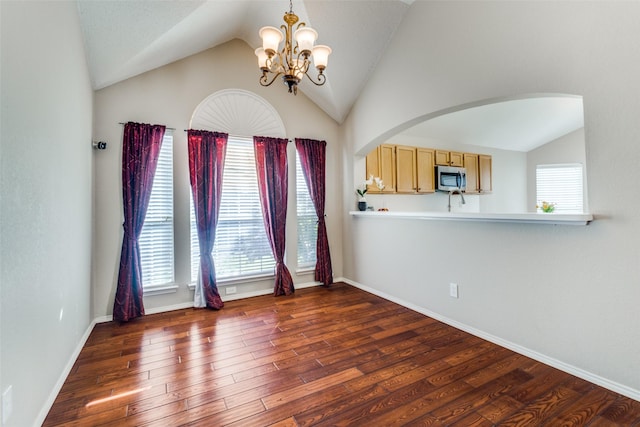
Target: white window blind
[
  {"x": 241, "y": 248},
  {"x": 307, "y": 221},
  {"x": 560, "y": 184},
  {"x": 156, "y": 238}
]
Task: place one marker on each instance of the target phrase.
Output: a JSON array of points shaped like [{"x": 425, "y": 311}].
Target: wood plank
[
  {"x": 323, "y": 356},
  {"x": 309, "y": 388}
]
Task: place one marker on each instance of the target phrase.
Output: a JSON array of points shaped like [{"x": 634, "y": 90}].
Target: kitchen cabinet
[
  {"x": 405, "y": 169},
  {"x": 485, "y": 180},
  {"x": 381, "y": 162},
  {"x": 479, "y": 172},
  {"x": 425, "y": 162},
  {"x": 411, "y": 170},
  {"x": 471, "y": 166},
  {"x": 449, "y": 158}
]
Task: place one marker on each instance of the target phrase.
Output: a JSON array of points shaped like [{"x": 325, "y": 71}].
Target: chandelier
[{"x": 292, "y": 63}]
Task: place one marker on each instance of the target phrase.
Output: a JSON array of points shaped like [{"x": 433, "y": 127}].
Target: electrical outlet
[
  {"x": 453, "y": 290},
  {"x": 230, "y": 290},
  {"x": 7, "y": 404}
]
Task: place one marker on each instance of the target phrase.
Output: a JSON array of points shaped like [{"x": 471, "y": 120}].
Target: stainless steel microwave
[{"x": 450, "y": 178}]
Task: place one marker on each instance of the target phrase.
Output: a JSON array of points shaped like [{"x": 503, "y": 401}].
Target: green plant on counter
[{"x": 546, "y": 207}]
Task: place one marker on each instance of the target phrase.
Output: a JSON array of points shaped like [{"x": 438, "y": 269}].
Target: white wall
[
  {"x": 566, "y": 149},
  {"x": 569, "y": 294},
  {"x": 46, "y": 201},
  {"x": 169, "y": 96}
]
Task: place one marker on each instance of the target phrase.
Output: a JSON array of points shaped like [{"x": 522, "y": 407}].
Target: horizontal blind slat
[
  {"x": 307, "y": 220},
  {"x": 156, "y": 239}
]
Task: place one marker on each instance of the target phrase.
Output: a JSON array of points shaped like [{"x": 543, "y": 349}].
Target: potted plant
[
  {"x": 546, "y": 207},
  {"x": 362, "y": 190}
]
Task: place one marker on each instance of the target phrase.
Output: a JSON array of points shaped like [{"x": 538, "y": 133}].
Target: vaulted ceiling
[{"x": 129, "y": 37}]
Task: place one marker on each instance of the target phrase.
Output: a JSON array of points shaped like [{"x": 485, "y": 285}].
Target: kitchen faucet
[{"x": 455, "y": 192}]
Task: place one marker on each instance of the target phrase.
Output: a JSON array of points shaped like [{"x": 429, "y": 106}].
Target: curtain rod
[
  {"x": 121, "y": 123},
  {"x": 247, "y": 137}
]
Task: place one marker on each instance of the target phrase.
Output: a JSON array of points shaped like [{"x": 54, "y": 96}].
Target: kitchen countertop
[{"x": 531, "y": 218}]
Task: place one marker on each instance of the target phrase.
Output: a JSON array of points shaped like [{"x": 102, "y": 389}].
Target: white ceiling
[
  {"x": 129, "y": 37},
  {"x": 518, "y": 125}
]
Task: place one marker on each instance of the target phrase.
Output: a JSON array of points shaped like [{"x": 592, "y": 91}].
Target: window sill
[
  {"x": 160, "y": 290},
  {"x": 530, "y": 218},
  {"x": 306, "y": 270},
  {"x": 235, "y": 281}
]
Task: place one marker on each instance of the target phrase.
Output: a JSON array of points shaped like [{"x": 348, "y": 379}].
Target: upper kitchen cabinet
[
  {"x": 405, "y": 169},
  {"x": 471, "y": 165},
  {"x": 485, "y": 182},
  {"x": 449, "y": 158},
  {"x": 478, "y": 167},
  {"x": 425, "y": 176},
  {"x": 381, "y": 162}
]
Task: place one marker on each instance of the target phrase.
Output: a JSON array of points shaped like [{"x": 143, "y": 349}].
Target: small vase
[{"x": 362, "y": 205}]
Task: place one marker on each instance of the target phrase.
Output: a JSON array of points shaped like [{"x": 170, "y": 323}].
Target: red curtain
[
  {"x": 312, "y": 158},
  {"x": 272, "y": 171},
  {"x": 140, "y": 150},
  {"x": 206, "y": 165}
]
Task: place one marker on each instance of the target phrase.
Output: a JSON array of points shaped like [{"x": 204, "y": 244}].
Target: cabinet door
[
  {"x": 456, "y": 158},
  {"x": 471, "y": 165},
  {"x": 405, "y": 169},
  {"x": 442, "y": 158},
  {"x": 485, "y": 180},
  {"x": 373, "y": 168},
  {"x": 387, "y": 159},
  {"x": 425, "y": 162}
]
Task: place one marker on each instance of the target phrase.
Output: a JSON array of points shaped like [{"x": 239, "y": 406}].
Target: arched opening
[{"x": 520, "y": 134}]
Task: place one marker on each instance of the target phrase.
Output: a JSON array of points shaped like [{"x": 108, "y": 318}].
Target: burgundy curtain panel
[
  {"x": 272, "y": 171},
  {"x": 140, "y": 150},
  {"x": 206, "y": 166},
  {"x": 312, "y": 155}
]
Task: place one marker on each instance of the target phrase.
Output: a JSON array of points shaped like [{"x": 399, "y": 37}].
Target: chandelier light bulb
[
  {"x": 305, "y": 37},
  {"x": 321, "y": 56},
  {"x": 262, "y": 58},
  {"x": 271, "y": 38}
]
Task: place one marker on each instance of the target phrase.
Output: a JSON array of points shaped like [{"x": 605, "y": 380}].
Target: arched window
[{"x": 241, "y": 248}]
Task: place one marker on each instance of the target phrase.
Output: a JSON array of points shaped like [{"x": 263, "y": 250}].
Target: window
[
  {"x": 156, "y": 238},
  {"x": 560, "y": 184},
  {"x": 241, "y": 248},
  {"x": 307, "y": 221}
]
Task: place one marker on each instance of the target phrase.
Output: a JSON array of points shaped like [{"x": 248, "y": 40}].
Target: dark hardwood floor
[{"x": 325, "y": 357}]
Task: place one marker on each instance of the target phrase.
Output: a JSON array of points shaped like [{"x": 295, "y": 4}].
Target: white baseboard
[
  {"x": 63, "y": 376},
  {"x": 558, "y": 364}
]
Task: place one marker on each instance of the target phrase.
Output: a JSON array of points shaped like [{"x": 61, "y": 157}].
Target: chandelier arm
[
  {"x": 321, "y": 79},
  {"x": 264, "y": 80}
]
